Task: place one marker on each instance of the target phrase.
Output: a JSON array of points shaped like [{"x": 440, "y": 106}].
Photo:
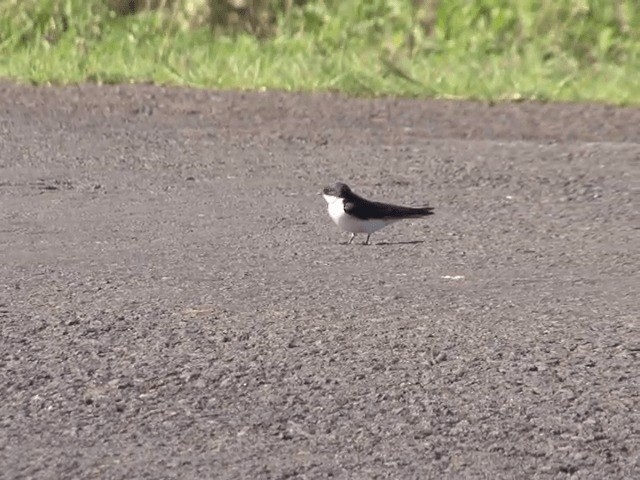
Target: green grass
[{"x": 570, "y": 50}]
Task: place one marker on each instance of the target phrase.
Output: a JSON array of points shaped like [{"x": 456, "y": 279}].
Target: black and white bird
[{"x": 355, "y": 214}]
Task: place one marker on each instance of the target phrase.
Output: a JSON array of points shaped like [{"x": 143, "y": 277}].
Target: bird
[{"x": 355, "y": 214}]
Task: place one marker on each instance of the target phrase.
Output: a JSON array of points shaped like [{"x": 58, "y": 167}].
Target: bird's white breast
[{"x": 347, "y": 222}]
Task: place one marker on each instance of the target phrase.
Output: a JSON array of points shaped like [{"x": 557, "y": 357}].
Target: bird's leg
[
  {"x": 366, "y": 242},
  {"x": 353, "y": 235}
]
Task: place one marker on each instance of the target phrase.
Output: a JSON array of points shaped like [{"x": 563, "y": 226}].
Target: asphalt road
[{"x": 176, "y": 303}]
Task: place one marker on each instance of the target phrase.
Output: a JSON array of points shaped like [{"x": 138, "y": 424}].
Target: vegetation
[{"x": 485, "y": 49}]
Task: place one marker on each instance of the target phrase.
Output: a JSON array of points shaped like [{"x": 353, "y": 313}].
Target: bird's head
[{"x": 339, "y": 190}]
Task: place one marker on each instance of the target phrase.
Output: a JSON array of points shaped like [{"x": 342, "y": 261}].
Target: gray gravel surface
[{"x": 176, "y": 303}]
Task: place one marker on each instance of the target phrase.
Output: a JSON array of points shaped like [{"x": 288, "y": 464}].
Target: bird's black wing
[{"x": 367, "y": 210}]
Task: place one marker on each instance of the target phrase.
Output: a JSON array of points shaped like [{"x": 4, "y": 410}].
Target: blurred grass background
[{"x": 576, "y": 50}]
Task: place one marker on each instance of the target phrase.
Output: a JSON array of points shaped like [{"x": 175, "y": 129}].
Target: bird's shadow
[
  {"x": 402, "y": 242},
  {"x": 385, "y": 244}
]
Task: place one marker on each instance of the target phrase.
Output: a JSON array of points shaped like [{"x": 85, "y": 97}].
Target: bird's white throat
[
  {"x": 331, "y": 199},
  {"x": 335, "y": 207}
]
